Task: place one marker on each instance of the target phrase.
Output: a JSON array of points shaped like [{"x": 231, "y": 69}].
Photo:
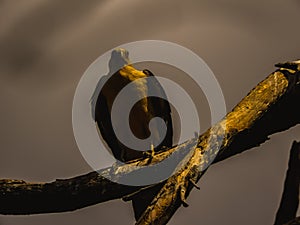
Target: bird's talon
[{"x": 150, "y": 154}]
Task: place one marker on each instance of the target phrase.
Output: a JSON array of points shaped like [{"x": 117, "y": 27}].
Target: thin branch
[
  {"x": 290, "y": 197},
  {"x": 18, "y": 197}
]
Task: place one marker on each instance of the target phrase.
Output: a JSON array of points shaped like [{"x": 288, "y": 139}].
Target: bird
[{"x": 121, "y": 73}]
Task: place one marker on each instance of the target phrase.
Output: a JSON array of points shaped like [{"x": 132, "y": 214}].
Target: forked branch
[{"x": 272, "y": 106}]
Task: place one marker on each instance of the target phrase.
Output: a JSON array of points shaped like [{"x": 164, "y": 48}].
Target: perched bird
[{"x": 140, "y": 115}]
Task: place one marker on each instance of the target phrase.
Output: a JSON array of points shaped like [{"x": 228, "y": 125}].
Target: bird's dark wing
[
  {"x": 160, "y": 107},
  {"x": 103, "y": 119},
  {"x": 157, "y": 107},
  {"x": 94, "y": 98}
]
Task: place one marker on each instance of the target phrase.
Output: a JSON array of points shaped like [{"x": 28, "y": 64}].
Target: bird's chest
[{"x": 129, "y": 91}]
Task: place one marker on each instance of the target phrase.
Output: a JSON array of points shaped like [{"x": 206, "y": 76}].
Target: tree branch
[
  {"x": 290, "y": 197},
  {"x": 18, "y": 197},
  {"x": 267, "y": 109}
]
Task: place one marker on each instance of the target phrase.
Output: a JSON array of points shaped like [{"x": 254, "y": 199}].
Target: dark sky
[{"x": 45, "y": 47}]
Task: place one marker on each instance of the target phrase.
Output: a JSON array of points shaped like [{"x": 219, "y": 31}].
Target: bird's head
[{"x": 119, "y": 58}]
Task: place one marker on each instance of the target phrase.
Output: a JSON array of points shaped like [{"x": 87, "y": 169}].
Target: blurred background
[{"x": 45, "y": 47}]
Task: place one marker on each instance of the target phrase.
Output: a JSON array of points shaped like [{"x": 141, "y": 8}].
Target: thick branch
[
  {"x": 20, "y": 197},
  {"x": 290, "y": 196},
  {"x": 264, "y": 111},
  {"x": 270, "y": 107}
]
